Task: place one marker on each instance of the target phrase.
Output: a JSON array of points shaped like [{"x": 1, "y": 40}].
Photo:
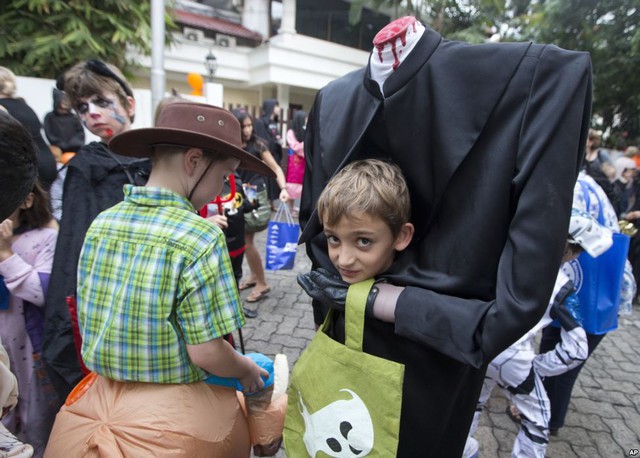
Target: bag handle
[
  {"x": 283, "y": 214},
  {"x": 354, "y": 313}
]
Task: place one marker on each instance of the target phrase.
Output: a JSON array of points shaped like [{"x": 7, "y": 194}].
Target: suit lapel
[
  {"x": 342, "y": 128},
  {"x": 438, "y": 109}
]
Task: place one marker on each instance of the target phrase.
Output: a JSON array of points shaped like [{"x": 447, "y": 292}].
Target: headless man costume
[{"x": 490, "y": 138}]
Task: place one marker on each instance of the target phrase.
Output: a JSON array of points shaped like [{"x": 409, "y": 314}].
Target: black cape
[
  {"x": 94, "y": 182},
  {"x": 19, "y": 109}
]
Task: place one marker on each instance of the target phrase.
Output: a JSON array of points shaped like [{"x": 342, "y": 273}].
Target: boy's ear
[
  {"x": 191, "y": 160},
  {"x": 132, "y": 106},
  {"x": 404, "y": 237}
]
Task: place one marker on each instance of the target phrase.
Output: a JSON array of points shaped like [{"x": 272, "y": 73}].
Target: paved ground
[{"x": 604, "y": 416}]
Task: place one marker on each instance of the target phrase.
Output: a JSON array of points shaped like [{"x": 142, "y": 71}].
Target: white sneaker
[
  {"x": 471, "y": 448},
  {"x": 11, "y": 447}
]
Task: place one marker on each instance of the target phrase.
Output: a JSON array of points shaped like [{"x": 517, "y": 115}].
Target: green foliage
[
  {"x": 609, "y": 31},
  {"x": 469, "y": 20},
  {"x": 399, "y": 7},
  {"x": 47, "y": 37}
]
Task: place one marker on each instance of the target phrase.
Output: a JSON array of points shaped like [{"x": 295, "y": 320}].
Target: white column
[
  {"x": 282, "y": 96},
  {"x": 288, "y": 24},
  {"x": 157, "y": 53},
  {"x": 213, "y": 93},
  {"x": 255, "y": 16}
]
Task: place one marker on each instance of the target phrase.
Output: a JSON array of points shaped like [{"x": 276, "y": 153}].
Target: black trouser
[{"x": 559, "y": 388}]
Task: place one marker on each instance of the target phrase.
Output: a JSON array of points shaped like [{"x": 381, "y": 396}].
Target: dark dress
[
  {"x": 64, "y": 130},
  {"x": 267, "y": 130},
  {"x": 19, "y": 109},
  {"x": 234, "y": 233}
]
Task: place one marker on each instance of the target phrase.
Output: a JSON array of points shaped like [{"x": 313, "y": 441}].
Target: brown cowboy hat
[{"x": 193, "y": 125}]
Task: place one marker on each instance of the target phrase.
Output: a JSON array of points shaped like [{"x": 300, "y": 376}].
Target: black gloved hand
[
  {"x": 330, "y": 290},
  {"x": 325, "y": 287}
]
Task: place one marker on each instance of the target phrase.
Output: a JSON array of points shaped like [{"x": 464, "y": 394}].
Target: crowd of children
[
  {"x": 32, "y": 242},
  {"x": 147, "y": 251}
]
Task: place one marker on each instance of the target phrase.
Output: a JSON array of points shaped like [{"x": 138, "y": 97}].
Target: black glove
[{"x": 330, "y": 290}]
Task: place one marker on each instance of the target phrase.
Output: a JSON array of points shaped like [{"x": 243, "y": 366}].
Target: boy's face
[
  {"x": 104, "y": 115},
  {"x": 362, "y": 246},
  {"x": 212, "y": 183}
]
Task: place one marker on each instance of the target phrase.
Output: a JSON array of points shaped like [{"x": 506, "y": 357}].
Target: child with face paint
[{"x": 103, "y": 100}]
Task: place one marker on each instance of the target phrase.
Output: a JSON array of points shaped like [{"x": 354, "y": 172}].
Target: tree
[
  {"x": 47, "y": 37},
  {"x": 467, "y": 20},
  {"x": 609, "y": 31}
]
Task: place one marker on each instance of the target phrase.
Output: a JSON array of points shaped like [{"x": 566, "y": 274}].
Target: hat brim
[{"x": 140, "y": 143}]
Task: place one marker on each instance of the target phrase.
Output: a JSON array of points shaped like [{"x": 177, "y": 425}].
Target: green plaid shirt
[{"x": 152, "y": 276}]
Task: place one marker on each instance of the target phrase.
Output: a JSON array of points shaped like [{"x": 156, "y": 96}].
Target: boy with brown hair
[
  {"x": 365, "y": 211},
  {"x": 156, "y": 294}
]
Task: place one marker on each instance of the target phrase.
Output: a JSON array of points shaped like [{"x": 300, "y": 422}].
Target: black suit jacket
[{"x": 490, "y": 138}]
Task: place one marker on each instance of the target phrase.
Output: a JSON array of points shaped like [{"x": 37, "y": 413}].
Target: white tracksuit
[{"x": 519, "y": 371}]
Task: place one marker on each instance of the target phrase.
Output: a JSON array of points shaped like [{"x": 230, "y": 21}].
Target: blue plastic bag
[
  {"x": 231, "y": 382},
  {"x": 598, "y": 281},
  {"x": 282, "y": 240},
  {"x": 599, "y": 288}
]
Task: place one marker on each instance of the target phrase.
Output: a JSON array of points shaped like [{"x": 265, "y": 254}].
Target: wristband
[{"x": 371, "y": 298}]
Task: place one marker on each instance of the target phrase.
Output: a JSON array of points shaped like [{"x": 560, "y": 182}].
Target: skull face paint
[
  {"x": 103, "y": 115},
  {"x": 342, "y": 429}
]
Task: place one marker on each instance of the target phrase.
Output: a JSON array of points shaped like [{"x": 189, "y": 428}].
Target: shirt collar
[{"x": 156, "y": 197}]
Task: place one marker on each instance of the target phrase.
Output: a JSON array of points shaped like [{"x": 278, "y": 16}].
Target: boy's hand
[
  {"x": 6, "y": 233},
  {"x": 252, "y": 381},
  {"x": 219, "y": 220}
]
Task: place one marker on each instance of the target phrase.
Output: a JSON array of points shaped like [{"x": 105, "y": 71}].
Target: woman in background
[
  {"x": 257, "y": 148},
  {"x": 295, "y": 167},
  {"x": 19, "y": 109}
]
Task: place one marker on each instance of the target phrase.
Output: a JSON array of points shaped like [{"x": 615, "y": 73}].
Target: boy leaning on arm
[{"x": 364, "y": 211}]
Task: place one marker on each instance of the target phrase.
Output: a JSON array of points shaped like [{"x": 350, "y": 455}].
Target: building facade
[{"x": 261, "y": 52}]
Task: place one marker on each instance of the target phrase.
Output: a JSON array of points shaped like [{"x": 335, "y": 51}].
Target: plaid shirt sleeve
[{"x": 211, "y": 306}]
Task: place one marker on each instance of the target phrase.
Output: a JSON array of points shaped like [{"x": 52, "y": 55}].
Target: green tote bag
[{"x": 344, "y": 402}]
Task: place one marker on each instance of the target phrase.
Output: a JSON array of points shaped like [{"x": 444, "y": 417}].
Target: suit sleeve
[
  {"x": 551, "y": 145},
  {"x": 306, "y": 200}
]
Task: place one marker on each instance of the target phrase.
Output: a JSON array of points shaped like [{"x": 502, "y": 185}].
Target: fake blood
[{"x": 391, "y": 33}]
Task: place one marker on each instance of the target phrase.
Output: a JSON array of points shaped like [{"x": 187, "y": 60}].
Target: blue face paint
[
  {"x": 118, "y": 117},
  {"x": 97, "y": 103}
]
